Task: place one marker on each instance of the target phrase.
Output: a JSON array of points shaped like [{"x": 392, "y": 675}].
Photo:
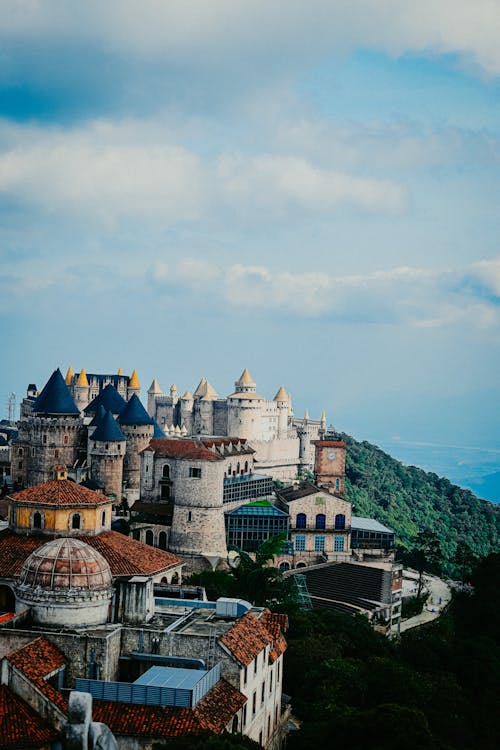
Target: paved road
[{"x": 439, "y": 596}]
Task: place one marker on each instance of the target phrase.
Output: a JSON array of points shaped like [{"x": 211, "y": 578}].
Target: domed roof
[{"x": 66, "y": 564}]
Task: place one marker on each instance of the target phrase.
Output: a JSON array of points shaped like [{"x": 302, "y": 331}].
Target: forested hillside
[{"x": 410, "y": 500}]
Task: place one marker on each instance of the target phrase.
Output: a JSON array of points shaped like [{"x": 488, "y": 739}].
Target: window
[
  {"x": 300, "y": 543},
  {"x": 33, "y": 452},
  {"x": 245, "y": 676},
  {"x": 319, "y": 543},
  {"x": 190, "y": 516},
  {"x": 56, "y": 453},
  {"x": 103, "y": 519},
  {"x": 278, "y": 673},
  {"x": 229, "y": 470},
  {"x": 301, "y": 520},
  {"x": 263, "y": 693},
  {"x": 195, "y": 472},
  {"x": 75, "y": 521},
  {"x": 320, "y": 521},
  {"x": 162, "y": 540},
  {"x": 271, "y": 682},
  {"x": 149, "y": 537},
  {"x": 20, "y": 465},
  {"x": 337, "y": 484},
  {"x": 37, "y": 520},
  {"x": 44, "y": 439},
  {"x": 246, "y": 466},
  {"x": 254, "y": 703},
  {"x": 19, "y": 451},
  {"x": 338, "y": 544},
  {"x": 340, "y": 521},
  {"x": 244, "y": 720},
  {"x": 166, "y": 471},
  {"x": 65, "y": 440}
]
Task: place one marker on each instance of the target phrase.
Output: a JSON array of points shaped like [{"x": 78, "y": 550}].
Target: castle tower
[
  {"x": 203, "y": 408},
  {"x": 245, "y": 409},
  {"x": 154, "y": 391},
  {"x": 283, "y": 403},
  {"x": 51, "y": 435},
  {"x": 82, "y": 390},
  {"x": 305, "y": 435},
  {"x": 106, "y": 455},
  {"x": 186, "y": 412},
  {"x": 322, "y": 425},
  {"x": 329, "y": 463},
  {"x": 138, "y": 428},
  {"x": 134, "y": 387}
]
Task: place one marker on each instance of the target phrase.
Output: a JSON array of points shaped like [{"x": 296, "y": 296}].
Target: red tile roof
[
  {"x": 20, "y": 726},
  {"x": 193, "y": 450},
  {"x": 213, "y": 712},
  {"x": 217, "y": 707},
  {"x": 246, "y": 639},
  {"x": 60, "y": 492},
  {"x": 125, "y": 556},
  {"x": 38, "y": 660}
]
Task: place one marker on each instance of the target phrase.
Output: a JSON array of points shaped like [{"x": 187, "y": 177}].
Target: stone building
[{"x": 283, "y": 447}]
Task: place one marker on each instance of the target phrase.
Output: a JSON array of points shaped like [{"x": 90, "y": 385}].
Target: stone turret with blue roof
[
  {"x": 51, "y": 434},
  {"x": 138, "y": 428},
  {"x": 109, "y": 399},
  {"x": 107, "y": 450}
]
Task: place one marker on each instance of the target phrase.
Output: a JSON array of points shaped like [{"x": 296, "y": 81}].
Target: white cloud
[
  {"x": 197, "y": 32},
  {"x": 113, "y": 170}
]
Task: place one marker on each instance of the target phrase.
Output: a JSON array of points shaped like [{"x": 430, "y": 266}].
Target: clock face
[{"x": 331, "y": 455}]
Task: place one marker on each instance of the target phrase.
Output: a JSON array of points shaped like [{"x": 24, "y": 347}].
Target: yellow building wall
[{"x": 58, "y": 520}]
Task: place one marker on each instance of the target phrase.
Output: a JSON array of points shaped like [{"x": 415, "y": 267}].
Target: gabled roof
[
  {"x": 108, "y": 430},
  {"x": 20, "y": 726},
  {"x": 61, "y": 492},
  {"x": 247, "y": 637},
  {"x": 134, "y": 413},
  {"x": 109, "y": 398},
  {"x": 55, "y": 398},
  {"x": 38, "y": 660}
]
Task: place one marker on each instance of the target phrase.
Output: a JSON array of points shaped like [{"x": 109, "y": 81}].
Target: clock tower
[{"x": 329, "y": 464}]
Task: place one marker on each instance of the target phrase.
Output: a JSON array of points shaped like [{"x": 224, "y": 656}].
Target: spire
[
  {"x": 69, "y": 376},
  {"x": 282, "y": 395},
  {"x": 55, "y": 398},
  {"x": 82, "y": 379},
  {"x": 245, "y": 378},
  {"x": 120, "y": 371},
  {"x": 134, "y": 381},
  {"x": 200, "y": 388},
  {"x": 323, "y": 417},
  {"x": 154, "y": 387},
  {"x": 306, "y": 415}
]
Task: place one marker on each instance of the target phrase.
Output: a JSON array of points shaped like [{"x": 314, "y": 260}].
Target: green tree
[
  {"x": 426, "y": 556},
  {"x": 465, "y": 560}
]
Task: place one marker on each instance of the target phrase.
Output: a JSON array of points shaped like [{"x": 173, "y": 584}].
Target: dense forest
[{"x": 409, "y": 500}]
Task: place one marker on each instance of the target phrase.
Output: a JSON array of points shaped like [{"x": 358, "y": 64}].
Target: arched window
[
  {"x": 162, "y": 540},
  {"x": 340, "y": 521},
  {"x": 238, "y": 467},
  {"x": 75, "y": 521},
  {"x": 166, "y": 471},
  {"x": 65, "y": 440},
  {"x": 246, "y": 466},
  {"x": 320, "y": 521},
  {"x": 284, "y": 565},
  {"x": 37, "y": 520},
  {"x": 136, "y": 534},
  {"x": 301, "y": 520},
  {"x": 149, "y": 537},
  {"x": 229, "y": 470}
]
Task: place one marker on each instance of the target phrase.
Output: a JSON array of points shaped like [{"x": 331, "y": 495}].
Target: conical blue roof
[
  {"x": 157, "y": 431},
  {"x": 134, "y": 413},
  {"x": 55, "y": 398},
  {"x": 108, "y": 430},
  {"x": 101, "y": 411},
  {"x": 109, "y": 398}
]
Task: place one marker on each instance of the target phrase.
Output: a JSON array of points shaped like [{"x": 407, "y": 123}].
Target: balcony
[{"x": 326, "y": 529}]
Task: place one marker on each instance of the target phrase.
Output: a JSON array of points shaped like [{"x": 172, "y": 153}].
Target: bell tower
[{"x": 329, "y": 463}]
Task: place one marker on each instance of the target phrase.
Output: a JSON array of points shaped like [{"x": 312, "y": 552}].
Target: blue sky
[{"x": 307, "y": 189}]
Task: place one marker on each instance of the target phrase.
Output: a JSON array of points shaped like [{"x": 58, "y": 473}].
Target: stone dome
[
  {"x": 65, "y": 582},
  {"x": 66, "y": 564}
]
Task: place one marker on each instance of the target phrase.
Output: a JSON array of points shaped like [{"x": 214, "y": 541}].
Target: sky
[{"x": 309, "y": 190}]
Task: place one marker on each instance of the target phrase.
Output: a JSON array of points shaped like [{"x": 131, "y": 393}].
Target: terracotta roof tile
[
  {"x": 246, "y": 639},
  {"x": 20, "y": 726},
  {"x": 217, "y": 708},
  {"x": 193, "y": 450},
  {"x": 61, "y": 492},
  {"x": 124, "y": 555},
  {"x": 213, "y": 712},
  {"x": 38, "y": 660},
  {"x": 133, "y": 719}
]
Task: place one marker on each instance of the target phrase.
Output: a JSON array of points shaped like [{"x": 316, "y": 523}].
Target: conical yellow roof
[
  {"x": 282, "y": 395},
  {"x": 306, "y": 415},
  {"x": 69, "y": 376},
  {"x": 82, "y": 378},
  {"x": 245, "y": 378},
  {"x": 134, "y": 380},
  {"x": 323, "y": 416},
  {"x": 120, "y": 371}
]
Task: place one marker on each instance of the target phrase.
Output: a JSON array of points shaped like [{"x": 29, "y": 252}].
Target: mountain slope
[{"x": 410, "y": 500}]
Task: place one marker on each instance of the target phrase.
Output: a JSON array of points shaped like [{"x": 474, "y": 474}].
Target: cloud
[
  {"x": 194, "y": 32},
  {"x": 109, "y": 170}
]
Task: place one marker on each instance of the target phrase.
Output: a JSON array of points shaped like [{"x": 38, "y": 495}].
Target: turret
[
  {"x": 282, "y": 402},
  {"x": 154, "y": 391},
  {"x": 305, "y": 434},
  {"x": 138, "y": 428},
  {"x": 107, "y": 452},
  {"x": 186, "y": 412},
  {"x": 82, "y": 390},
  {"x": 244, "y": 409},
  {"x": 203, "y": 410},
  {"x": 134, "y": 387}
]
